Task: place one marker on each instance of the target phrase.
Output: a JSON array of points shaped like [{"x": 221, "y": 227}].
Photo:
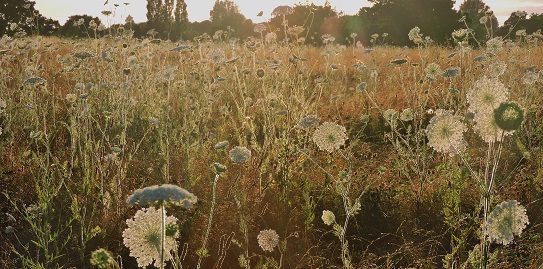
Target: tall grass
[{"x": 87, "y": 122}]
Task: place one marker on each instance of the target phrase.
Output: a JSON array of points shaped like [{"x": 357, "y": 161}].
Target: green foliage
[
  {"x": 27, "y": 18},
  {"x": 169, "y": 18},
  {"x": 398, "y": 17},
  {"x": 78, "y": 26},
  {"x": 225, "y": 16}
]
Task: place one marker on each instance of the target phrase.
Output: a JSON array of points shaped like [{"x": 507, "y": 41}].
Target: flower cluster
[
  {"x": 483, "y": 99},
  {"x": 163, "y": 194},
  {"x": 328, "y": 217},
  {"x": 460, "y": 35},
  {"x": 308, "y": 122},
  {"x": 216, "y": 56},
  {"x": 102, "y": 258},
  {"x": 496, "y": 69},
  {"x": 259, "y": 28},
  {"x": 509, "y": 116},
  {"x": 445, "y": 132},
  {"x": 239, "y": 154},
  {"x": 486, "y": 95},
  {"x": 494, "y": 45},
  {"x": 415, "y": 35},
  {"x": 505, "y": 221},
  {"x": 432, "y": 70},
  {"x": 143, "y": 236},
  {"x": 268, "y": 240},
  {"x": 330, "y": 136}
]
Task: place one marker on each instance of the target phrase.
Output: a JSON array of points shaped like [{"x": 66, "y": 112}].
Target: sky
[{"x": 199, "y": 9}]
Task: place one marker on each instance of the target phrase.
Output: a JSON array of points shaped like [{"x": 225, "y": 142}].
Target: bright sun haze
[{"x": 198, "y": 10}]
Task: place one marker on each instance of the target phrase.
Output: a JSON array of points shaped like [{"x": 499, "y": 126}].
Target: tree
[
  {"x": 23, "y": 14},
  {"x": 181, "y": 20},
  {"x": 169, "y": 17},
  {"x": 79, "y": 26},
  {"x": 316, "y": 20},
  {"x": 225, "y": 15},
  {"x": 519, "y": 21},
  {"x": 479, "y": 18},
  {"x": 436, "y": 19}
]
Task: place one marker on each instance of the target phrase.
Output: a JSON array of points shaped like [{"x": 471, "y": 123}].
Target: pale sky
[{"x": 199, "y": 9}]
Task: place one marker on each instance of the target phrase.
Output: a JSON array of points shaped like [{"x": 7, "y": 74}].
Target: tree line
[{"x": 385, "y": 22}]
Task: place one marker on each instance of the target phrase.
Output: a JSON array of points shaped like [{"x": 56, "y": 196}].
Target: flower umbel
[
  {"x": 330, "y": 136},
  {"x": 509, "y": 116},
  {"x": 163, "y": 194},
  {"x": 486, "y": 95},
  {"x": 308, "y": 122},
  {"x": 143, "y": 235},
  {"x": 328, "y": 217},
  {"x": 102, "y": 258},
  {"x": 239, "y": 154},
  {"x": 445, "y": 132},
  {"x": 268, "y": 239},
  {"x": 505, "y": 221}
]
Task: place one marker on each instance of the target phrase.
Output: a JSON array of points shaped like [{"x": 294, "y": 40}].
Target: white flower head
[
  {"x": 505, "y": 221},
  {"x": 328, "y": 217},
  {"x": 486, "y": 95},
  {"x": 163, "y": 194},
  {"x": 330, "y": 136},
  {"x": 432, "y": 70},
  {"x": 143, "y": 236},
  {"x": 268, "y": 240},
  {"x": 445, "y": 132},
  {"x": 496, "y": 69},
  {"x": 239, "y": 154},
  {"x": 486, "y": 127}
]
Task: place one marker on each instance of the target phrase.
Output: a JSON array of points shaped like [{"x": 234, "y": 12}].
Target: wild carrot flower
[
  {"x": 162, "y": 194},
  {"x": 460, "y": 35},
  {"x": 102, "y": 258},
  {"x": 268, "y": 240},
  {"x": 260, "y": 72},
  {"x": 509, "y": 116},
  {"x": 83, "y": 55},
  {"x": 445, "y": 132},
  {"x": 330, "y": 136},
  {"x": 485, "y": 126},
  {"x": 308, "y": 122},
  {"x": 216, "y": 56},
  {"x": 282, "y": 10},
  {"x": 239, "y": 154},
  {"x": 270, "y": 37},
  {"x": 259, "y": 28},
  {"x": 415, "y": 35},
  {"x": 328, "y": 217},
  {"x": 505, "y": 221},
  {"x": 221, "y": 145},
  {"x": 219, "y": 168},
  {"x": 494, "y": 70},
  {"x": 35, "y": 81},
  {"x": 494, "y": 45},
  {"x": 407, "y": 115},
  {"x": 143, "y": 236},
  {"x": 486, "y": 95},
  {"x": 390, "y": 115},
  {"x": 71, "y": 98}
]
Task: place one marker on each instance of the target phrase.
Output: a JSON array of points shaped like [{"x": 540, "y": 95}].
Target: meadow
[{"x": 262, "y": 153}]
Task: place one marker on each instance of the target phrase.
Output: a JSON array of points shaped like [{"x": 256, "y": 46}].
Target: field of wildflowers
[{"x": 265, "y": 153}]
